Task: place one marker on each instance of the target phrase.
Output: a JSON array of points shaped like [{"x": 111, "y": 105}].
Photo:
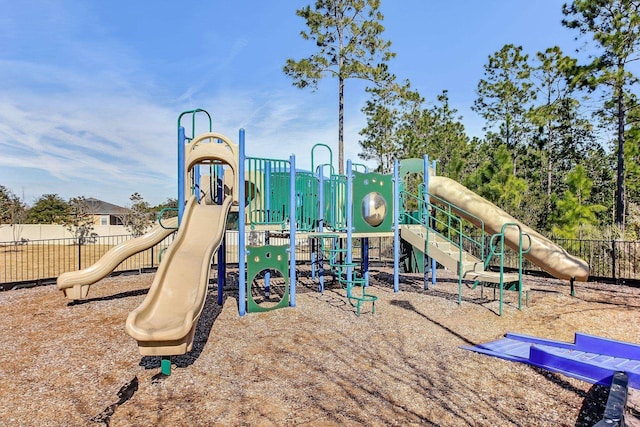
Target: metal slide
[
  {"x": 164, "y": 324},
  {"x": 76, "y": 284},
  {"x": 544, "y": 253}
]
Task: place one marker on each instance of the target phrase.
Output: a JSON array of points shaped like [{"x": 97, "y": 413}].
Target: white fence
[{"x": 10, "y": 233}]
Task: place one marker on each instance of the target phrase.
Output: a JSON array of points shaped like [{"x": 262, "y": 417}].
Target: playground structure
[{"x": 439, "y": 221}]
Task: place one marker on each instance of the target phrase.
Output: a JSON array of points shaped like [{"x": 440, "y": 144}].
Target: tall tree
[
  {"x": 495, "y": 181},
  {"x": 632, "y": 154},
  {"x": 139, "y": 217},
  {"x": 48, "y": 209},
  {"x": 12, "y": 211},
  {"x": 615, "y": 28},
  {"x": 561, "y": 134},
  {"x": 347, "y": 34},
  {"x": 171, "y": 204},
  {"x": 574, "y": 215},
  {"x": 80, "y": 219},
  {"x": 438, "y": 132},
  {"x": 385, "y": 112},
  {"x": 7, "y": 199},
  {"x": 505, "y": 93}
]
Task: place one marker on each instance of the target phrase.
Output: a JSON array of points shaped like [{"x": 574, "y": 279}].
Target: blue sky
[{"x": 91, "y": 90}]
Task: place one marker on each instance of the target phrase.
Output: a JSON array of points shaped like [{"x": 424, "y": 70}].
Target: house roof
[{"x": 100, "y": 207}]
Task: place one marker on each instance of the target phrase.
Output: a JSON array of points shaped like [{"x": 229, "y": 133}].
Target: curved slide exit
[
  {"x": 76, "y": 284},
  {"x": 164, "y": 324},
  {"x": 544, "y": 253}
]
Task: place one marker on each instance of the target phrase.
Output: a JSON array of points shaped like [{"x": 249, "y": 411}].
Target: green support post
[{"x": 165, "y": 365}]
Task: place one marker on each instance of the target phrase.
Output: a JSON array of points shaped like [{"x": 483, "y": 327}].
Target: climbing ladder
[{"x": 346, "y": 274}]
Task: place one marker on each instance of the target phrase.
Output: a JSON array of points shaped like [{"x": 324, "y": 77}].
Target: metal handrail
[
  {"x": 452, "y": 224},
  {"x": 494, "y": 251},
  {"x": 161, "y": 214}
]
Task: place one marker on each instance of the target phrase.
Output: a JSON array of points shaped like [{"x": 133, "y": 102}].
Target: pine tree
[
  {"x": 495, "y": 181},
  {"x": 347, "y": 34},
  {"x": 505, "y": 93},
  {"x": 615, "y": 27},
  {"x": 574, "y": 217}
]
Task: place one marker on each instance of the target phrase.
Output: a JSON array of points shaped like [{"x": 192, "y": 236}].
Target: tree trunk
[
  {"x": 340, "y": 28},
  {"x": 620, "y": 170},
  {"x": 549, "y": 170},
  {"x": 341, "y": 125}
]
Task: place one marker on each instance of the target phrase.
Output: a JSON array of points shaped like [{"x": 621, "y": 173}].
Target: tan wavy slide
[
  {"x": 544, "y": 253},
  {"x": 164, "y": 324},
  {"x": 76, "y": 284}
]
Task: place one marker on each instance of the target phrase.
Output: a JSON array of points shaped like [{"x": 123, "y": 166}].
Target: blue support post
[
  {"x": 396, "y": 226},
  {"x": 320, "y": 259},
  {"x": 181, "y": 177},
  {"x": 429, "y": 264},
  {"x": 242, "y": 267},
  {"x": 196, "y": 182},
  {"x": 365, "y": 260},
  {"x": 292, "y": 231},
  {"x": 222, "y": 250},
  {"x": 433, "y": 261}
]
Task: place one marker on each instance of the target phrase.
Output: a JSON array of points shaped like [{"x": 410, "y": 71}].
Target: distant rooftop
[{"x": 99, "y": 207}]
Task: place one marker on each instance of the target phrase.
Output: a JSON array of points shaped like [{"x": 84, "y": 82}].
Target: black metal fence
[
  {"x": 609, "y": 260},
  {"x": 42, "y": 261}
]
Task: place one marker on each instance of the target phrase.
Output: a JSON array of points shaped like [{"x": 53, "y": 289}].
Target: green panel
[
  {"x": 275, "y": 258},
  {"x": 408, "y": 166},
  {"x": 378, "y": 189}
]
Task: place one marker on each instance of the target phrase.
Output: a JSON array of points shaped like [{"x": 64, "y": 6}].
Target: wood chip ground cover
[{"x": 316, "y": 364}]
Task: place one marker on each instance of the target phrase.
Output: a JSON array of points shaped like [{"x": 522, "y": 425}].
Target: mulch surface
[{"x": 67, "y": 364}]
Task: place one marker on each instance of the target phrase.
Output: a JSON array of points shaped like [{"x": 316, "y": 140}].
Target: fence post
[
  {"x": 613, "y": 260},
  {"x": 152, "y": 256},
  {"x": 79, "y": 253}
]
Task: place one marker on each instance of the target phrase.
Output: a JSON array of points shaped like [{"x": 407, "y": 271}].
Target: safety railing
[
  {"x": 267, "y": 191},
  {"x": 444, "y": 219}
]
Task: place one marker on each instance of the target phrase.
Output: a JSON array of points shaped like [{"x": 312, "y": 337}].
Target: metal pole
[
  {"x": 222, "y": 250},
  {"x": 349, "y": 197},
  {"x": 433, "y": 261},
  {"x": 181, "y": 177},
  {"x": 426, "y": 265},
  {"x": 242, "y": 267},
  {"x": 267, "y": 193},
  {"x": 321, "y": 228},
  {"x": 79, "y": 253},
  {"x": 292, "y": 230},
  {"x": 365, "y": 260},
  {"x": 396, "y": 227}
]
